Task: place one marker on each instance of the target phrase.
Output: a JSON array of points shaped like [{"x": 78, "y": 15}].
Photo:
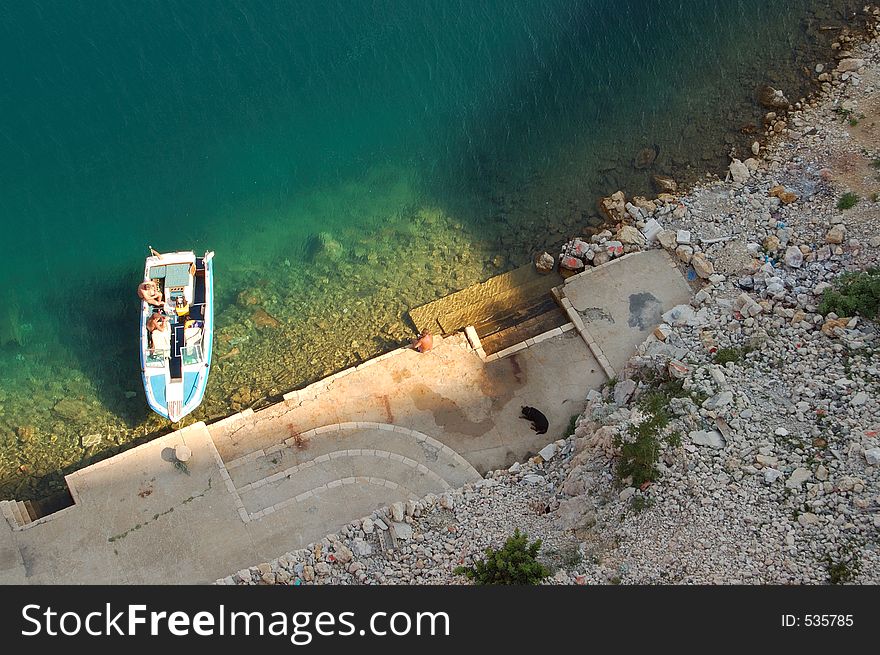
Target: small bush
[
  {"x": 640, "y": 451},
  {"x": 845, "y": 569},
  {"x": 572, "y": 424},
  {"x": 516, "y": 564},
  {"x": 639, "y": 503},
  {"x": 638, "y": 456},
  {"x": 725, "y": 355},
  {"x": 854, "y": 293},
  {"x": 847, "y": 201}
]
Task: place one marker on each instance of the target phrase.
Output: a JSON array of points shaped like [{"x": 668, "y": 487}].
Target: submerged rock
[
  {"x": 72, "y": 410},
  {"x": 322, "y": 246},
  {"x": 262, "y": 318},
  {"x": 646, "y": 157}
]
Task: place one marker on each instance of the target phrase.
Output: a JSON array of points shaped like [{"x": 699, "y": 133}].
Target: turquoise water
[{"x": 433, "y": 143}]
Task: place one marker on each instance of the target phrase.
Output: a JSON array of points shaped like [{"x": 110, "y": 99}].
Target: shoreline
[
  {"x": 109, "y": 452},
  {"x": 759, "y": 488}
]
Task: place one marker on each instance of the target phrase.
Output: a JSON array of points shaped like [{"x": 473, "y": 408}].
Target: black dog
[{"x": 539, "y": 421}]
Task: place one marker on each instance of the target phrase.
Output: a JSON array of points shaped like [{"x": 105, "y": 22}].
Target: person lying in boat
[
  {"x": 149, "y": 292},
  {"x": 160, "y": 332},
  {"x": 192, "y": 332}
]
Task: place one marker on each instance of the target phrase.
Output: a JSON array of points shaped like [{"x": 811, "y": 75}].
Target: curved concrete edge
[
  {"x": 369, "y": 425},
  {"x": 311, "y": 493},
  {"x": 337, "y": 454}
]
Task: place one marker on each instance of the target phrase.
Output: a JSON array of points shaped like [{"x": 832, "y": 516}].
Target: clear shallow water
[{"x": 434, "y": 143}]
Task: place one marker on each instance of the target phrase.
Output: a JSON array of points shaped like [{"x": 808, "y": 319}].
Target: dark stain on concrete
[
  {"x": 389, "y": 415},
  {"x": 645, "y": 311},
  {"x": 447, "y": 414},
  {"x": 516, "y": 369},
  {"x": 399, "y": 375}
]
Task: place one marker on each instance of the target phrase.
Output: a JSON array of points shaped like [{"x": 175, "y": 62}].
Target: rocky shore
[{"x": 759, "y": 413}]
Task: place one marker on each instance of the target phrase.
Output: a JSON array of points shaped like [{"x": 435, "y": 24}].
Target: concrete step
[
  {"x": 425, "y": 450},
  {"x": 23, "y": 510},
  {"x": 31, "y": 510},
  {"x": 17, "y": 518},
  {"x": 354, "y": 467},
  {"x": 328, "y": 509},
  {"x": 6, "y": 510}
]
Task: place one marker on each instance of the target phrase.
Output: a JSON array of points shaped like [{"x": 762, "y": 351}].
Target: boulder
[
  {"x": 718, "y": 401},
  {"x": 771, "y": 475},
  {"x": 702, "y": 266},
  {"x": 797, "y": 478},
  {"x": 402, "y": 531},
  {"x": 738, "y": 171},
  {"x": 342, "y": 553},
  {"x": 623, "y": 390},
  {"x": 772, "y": 98},
  {"x": 710, "y": 438},
  {"x": 613, "y": 248},
  {"x": 577, "y": 513},
  {"x": 651, "y": 230},
  {"x": 628, "y": 235},
  {"x": 771, "y": 243},
  {"x": 601, "y": 258},
  {"x": 570, "y": 263},
  {"x": 667, "y": 239},
  {"x": 785, "y": 196},
  {"x": 836, "y": 234},
  {"x": 684, "y": 253},
  {"x": 849, "y": 65},
  {"x": 397, "y": 511},
  {"x": 829, "y": 326},
  {"x": 664, "y": 183},
  {"x": 794, "y": 257},
  {"x": 182, "y": 453},
  {"x": 548, "y": 452},
  {"x": 613, "y": 207},
  {"x": 544, "y": 263},
  {"x": 361, "y": 548}
]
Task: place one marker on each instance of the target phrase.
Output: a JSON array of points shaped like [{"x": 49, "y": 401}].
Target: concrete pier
[{"x": 258, "y": 484}]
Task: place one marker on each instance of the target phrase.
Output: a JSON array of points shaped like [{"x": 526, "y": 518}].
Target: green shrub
[
  {"x": 638, "y": 456},
  {"x": 639, "y": 452},
  {"x": 847, "y": 201},
  {"x": 846, "y": 569},
  {"x": 725, "y": 355},
  {"x": 854, "y": 293},
  {"x": 514, "y": 564}
]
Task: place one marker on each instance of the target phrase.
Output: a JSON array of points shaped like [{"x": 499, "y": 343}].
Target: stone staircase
[
  {"x": 18, "y": 513},
  {"x": 362, "y": 465}
]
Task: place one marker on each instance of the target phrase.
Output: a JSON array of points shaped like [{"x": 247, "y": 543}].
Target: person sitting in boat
[
  {"x": 149, "y": 292},
  {"x": 160, "y": 332},
  {"x": 181, "y": 308}
]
